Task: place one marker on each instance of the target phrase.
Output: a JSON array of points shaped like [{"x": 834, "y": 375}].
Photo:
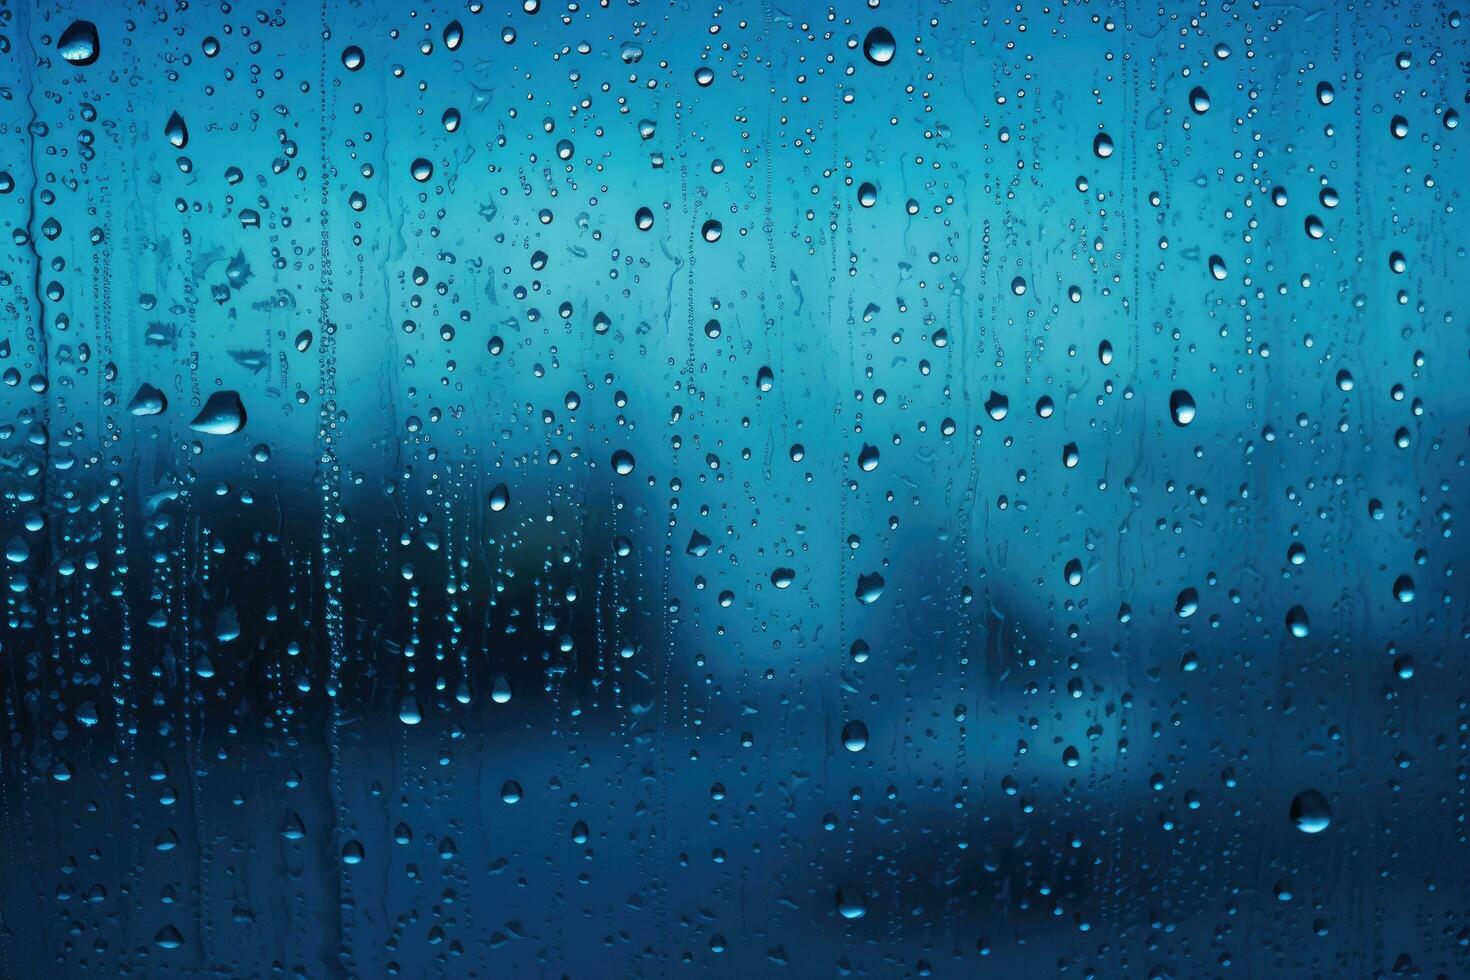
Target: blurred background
[{"x": 627, "y": 488}]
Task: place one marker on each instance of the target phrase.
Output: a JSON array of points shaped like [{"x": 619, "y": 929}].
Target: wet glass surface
[{"x": 611, "y": 489}]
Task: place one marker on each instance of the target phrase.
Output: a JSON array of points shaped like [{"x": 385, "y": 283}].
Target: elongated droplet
[
  {"x": 176, "y": 131},
  {"x": 221, "y": 415},
  {"x": 1181, "y": 407},
  {"x": 148, "y": 401}
]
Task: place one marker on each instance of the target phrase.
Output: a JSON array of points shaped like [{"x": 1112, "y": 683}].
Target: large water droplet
[
  {"x": 851, "y": 902},
  {"x": 79, "y": 43},
  {"x": 1181, "y": 407},
  {"x": 408, "y": 710},
  {"x": 499, "y": 497},
  {"x": 221, "y": 415},
  {"x": 879, "y": 46},
  {"x": 176, "y": 131},
  {"x": 1310, "y": 812},
  {"x": 1298, "y": 623},
  {"x": 869, "y": 588},
  {"x": 148, "y": 401},
  {"x": 997, "y": 406}
]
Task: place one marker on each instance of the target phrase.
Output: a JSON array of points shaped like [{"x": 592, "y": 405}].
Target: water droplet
[
  {"x": 176, "y": 131},
  {"x": 997, "y": 406},
  {"x": 408, "y": 710},
  {"x": 879, "y": 47},
  {"x": 499, "y": 497},
  {"x": 1181, "y": 407},
  {"x": 1073, "y": 572},
  {"x": 222, "y": 414},
  {"x": 1298, "y": 623},
  {"x": 1199, "y": 100},
  {"x": 1310, "y": 812},
  {"x": 453, "y": 35},
  {"x": 79, "y": 43},
  {"x": 148, "y": 401},
  {"x": 869, "y": 588}
]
